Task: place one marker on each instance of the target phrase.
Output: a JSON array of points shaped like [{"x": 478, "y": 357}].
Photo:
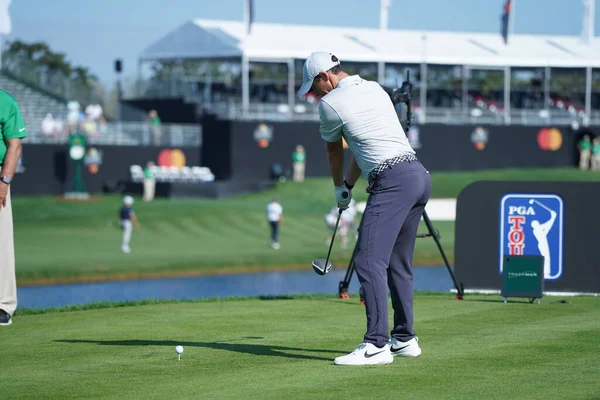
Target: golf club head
[{"x": 321, "y": 266}]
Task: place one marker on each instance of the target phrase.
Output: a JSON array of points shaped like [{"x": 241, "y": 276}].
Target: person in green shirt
[
  {"x": 299, "y": 158},
  {"x": 596, "y": 154},
  {"x": 155, "y": 124},
  {"x": 149, "y": 182},
  {"x": 585, "y": 152},
  {"x": 12, "y": 130}
]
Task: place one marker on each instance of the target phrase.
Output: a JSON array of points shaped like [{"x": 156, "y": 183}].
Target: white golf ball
[{"x": 179, "y": 349}]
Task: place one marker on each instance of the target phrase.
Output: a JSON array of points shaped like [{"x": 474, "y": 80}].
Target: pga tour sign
[{"x": 532, "y": 224}]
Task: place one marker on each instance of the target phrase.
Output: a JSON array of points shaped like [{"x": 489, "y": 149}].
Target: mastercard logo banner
[
  {"x": 549, "y": 139},
  {"x": 171, "y": 158}
]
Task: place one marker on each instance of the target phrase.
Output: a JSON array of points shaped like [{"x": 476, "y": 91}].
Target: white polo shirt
[
  {"x": 361, "y": 112},
  {"x": 274, "y": 211}
]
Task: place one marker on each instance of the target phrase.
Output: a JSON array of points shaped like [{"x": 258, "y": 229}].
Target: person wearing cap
[
  {"x": 127, "y": 219},
  {"x": 361, "y": 113}
]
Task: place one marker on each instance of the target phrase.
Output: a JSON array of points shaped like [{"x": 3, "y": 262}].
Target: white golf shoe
[
  {"x": 125, "y": 249},
  {"x": 405, "y": 349},
  {"x": 367, "y": 354}
]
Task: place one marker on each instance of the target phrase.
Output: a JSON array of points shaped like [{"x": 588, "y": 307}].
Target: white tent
[
  {"x": 205, "y": 39},
  {"x": 278, "y": 42}
]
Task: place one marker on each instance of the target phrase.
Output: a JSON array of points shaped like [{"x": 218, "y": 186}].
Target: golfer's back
[{"x": 369, "y": 122}]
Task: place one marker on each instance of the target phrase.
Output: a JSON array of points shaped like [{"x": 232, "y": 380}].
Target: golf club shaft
[
  {"x": 541, "y": 205},
  {"x": 333, "y": 237}
]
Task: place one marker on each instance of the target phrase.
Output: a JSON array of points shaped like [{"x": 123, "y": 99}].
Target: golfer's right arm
[
  {"x": 353, "y": 173},
  {"x": 331, "y": 133}
]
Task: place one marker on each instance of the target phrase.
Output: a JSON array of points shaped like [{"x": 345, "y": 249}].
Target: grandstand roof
[{"x": 278, "y": 42}]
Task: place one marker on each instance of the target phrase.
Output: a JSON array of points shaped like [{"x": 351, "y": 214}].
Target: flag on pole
[
  {"x": 587, "y": 24},
  {"x": 5, "y": 22},
  {"x": 506, "y": 20},
  {"x": 384, "y": 13},
  {"x": 249, "y": 14}
]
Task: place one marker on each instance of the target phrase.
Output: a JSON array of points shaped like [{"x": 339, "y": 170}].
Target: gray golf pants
[{"x": 386, "y": 244}]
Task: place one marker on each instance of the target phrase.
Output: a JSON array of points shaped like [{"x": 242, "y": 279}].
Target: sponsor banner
[{"x": 532, "y": 224}]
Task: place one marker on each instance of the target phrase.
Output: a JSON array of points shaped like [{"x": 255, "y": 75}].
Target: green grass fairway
[
  {"x": 58, "y": 241},
  {"x": 478, "y": 348}
]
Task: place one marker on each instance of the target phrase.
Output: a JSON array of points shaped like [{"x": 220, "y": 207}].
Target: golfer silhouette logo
[
  {"x": 532, "y": 224},
  {"x": 540, "y": 232}
]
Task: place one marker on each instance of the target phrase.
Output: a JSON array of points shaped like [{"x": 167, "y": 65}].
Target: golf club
[
  {"x": 322, "y": 266},
  {"x": 541, "y": 205}
]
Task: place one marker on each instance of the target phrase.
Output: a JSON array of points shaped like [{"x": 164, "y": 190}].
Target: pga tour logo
[{"x": 532, "y": 225}]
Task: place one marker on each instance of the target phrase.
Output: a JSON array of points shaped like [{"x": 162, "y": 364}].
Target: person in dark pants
[
  {"x": 362, "y": 113},
  {"x": 275, "y": 218}
]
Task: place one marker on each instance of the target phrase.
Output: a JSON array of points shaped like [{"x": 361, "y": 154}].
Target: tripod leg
[
  {"x": 345, "y": 284},
  {"x": 436, "y": 237}
]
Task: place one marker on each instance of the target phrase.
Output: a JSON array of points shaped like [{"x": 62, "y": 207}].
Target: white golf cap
[
  {"x": 316, "y": 63},
  {"x": 128, "y": 200}
]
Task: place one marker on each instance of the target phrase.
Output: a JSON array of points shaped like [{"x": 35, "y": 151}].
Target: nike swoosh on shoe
[
  {"x": 399, "y": 348},
  {"x": 367, "y": 355}
]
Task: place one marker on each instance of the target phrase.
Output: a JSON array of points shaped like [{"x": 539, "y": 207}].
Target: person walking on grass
[
  {"x": 275, "y": 219},
  {"x": 127, "y": 220},
  {"x": 361, "y": 113},
  {"x": 12, "y": 131}
]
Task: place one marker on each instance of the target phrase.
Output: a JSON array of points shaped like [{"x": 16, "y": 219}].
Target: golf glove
[{"x": 343, "y": 195}]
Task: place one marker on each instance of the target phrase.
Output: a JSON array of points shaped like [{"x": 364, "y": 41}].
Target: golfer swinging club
[{"x": 361, "y": 112}]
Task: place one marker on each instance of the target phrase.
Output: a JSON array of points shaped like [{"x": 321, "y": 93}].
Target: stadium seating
[
  {"x": 34, "y": 104},
  {"x": 194, "y": 174}
]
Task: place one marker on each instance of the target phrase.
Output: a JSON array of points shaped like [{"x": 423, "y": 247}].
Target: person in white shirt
[
  {"x": 346, "y": 225},
  {"x": 275, "y": 219},
  {"x": 48, "y": 125},
  {"x": 73, "y": 108},
  {"x": 361, "y": 112},
  {"x": 347, "y": 221}
]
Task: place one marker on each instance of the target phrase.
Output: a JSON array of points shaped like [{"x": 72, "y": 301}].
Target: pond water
[{"x": 434, "y": 278}]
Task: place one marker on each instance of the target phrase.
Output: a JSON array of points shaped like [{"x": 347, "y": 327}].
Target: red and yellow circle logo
[
  {"x": 171, "y": 158},
  {"x": 549, "y": 139}
]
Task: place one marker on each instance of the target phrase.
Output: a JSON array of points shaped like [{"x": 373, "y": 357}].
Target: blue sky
[{"x": 95, "y": 32}]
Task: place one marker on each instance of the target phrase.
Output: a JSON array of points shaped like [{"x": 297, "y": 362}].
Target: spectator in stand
[
  {"x": 59, "y": 126},
  {"x": 73, "y": 109},
  {"x": 89, "y": 127},
  {"x": 93, "y": 114},
  {"x": 48, "y": 126},
  {"x": 155, "y": 126},
  {"x": 584, "y": 147}
]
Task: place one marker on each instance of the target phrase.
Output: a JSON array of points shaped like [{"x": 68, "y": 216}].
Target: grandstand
[
  {"x": 34, "y": 104},
  {"x": 458, "y": 77}
]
